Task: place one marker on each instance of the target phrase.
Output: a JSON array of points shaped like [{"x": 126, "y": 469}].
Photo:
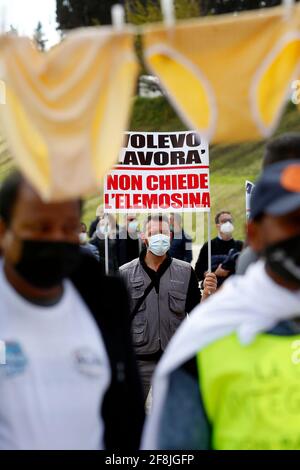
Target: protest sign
[
  {"x": 159, "y": 172},
  {"x": 249, "y": 188}
]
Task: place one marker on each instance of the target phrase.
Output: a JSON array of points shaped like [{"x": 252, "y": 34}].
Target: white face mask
[
  {"x": 159, "y": 244},
  {"x": 133, "y": 226},
  {"x": 83, "y": 238},
  {"x": 227, "y": 228}
]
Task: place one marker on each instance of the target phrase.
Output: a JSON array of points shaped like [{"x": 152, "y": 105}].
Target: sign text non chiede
[{"x": 152, "y": 182}]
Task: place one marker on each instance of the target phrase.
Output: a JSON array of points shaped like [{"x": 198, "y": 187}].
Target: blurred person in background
[
  {"x": 181, "y": 243},
  {"x": 70, "y": 380},
  {"x": 230, "y": 378},
  {"x": 129, "y": 242},
  {"x": 221, "y": 246},
  {"x": 84, "y": 242},
  {"x": 107, "y": 227},
  {"x": 94, "y": 223},
  {"x": 162, "y": 290}
]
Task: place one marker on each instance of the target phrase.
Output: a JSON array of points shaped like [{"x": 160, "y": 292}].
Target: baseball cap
[{"x": 277, "y": 192}]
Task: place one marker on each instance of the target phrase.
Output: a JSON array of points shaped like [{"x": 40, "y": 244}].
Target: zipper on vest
[{"x": 159, "y": 339}]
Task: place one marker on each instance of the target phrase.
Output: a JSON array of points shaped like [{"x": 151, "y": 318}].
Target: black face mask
[
  {"x": 283, "y": 258},
  {"x": 45, "y": 264}
]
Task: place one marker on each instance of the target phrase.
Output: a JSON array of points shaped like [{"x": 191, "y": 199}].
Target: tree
[
  {"x": 75, "y": 13},
  {"x": 142, "y": 11},
  {"x": 39, "y": 37},
  {"x": 211, "y": 7},
  {"x": 187, "y": 9},
  {"x": 148, "y": 11}
]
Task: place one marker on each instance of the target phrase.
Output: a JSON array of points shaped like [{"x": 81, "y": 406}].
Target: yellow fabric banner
[
  {"x": 228, "y": 76},
  {"x": 66, "y": 110}
]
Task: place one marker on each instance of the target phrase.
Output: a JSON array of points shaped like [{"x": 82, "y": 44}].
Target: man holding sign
[
  {"x": 163, "y": 290},
  {"x": 159, "y": 173}
]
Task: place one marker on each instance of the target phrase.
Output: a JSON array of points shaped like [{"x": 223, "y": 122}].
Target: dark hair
[
  {"x": 9, "y": 191},
  {"x": 83, "y": 225},
  {"x": 155, "y": 218},
  {"x": 285, "y": 147},
  {"x": 219, "y": 215}
]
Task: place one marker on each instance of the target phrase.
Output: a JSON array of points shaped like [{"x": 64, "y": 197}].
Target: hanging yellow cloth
[
  {"x": 229, "y": 76},
  {"x": 66, "y": 110}
]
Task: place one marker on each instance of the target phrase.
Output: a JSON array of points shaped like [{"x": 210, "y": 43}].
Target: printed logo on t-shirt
[
  {"x": 88, "y": 362},
  {"x": 16, "y": 361}
]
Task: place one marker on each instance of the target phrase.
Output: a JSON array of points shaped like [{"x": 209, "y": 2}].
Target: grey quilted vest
[{"x": 160, "y": 314}]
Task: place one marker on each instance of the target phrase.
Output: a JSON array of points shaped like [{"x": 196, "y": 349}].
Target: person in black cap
[
  {"x": 230, "y": 378},
  {"x": 281, "y": 148},
  {"x": 70, "y": 379}
]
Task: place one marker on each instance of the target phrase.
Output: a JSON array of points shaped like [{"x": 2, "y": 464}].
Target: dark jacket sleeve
[
  {"x": 184, "y": 427},
  {"x": 193, "y": 297},
  {"x": 239, "y": 245},
  {"x": 93, "y": 227},
  {"x": 123, "y": 407},
  {"x": 122, "y": 251},
  {"x": 99, "y": 243},
  {"x": 202, "y": 262}
]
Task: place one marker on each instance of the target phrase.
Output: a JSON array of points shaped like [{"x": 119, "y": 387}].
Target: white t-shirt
[{"x": 56, "y": 375}]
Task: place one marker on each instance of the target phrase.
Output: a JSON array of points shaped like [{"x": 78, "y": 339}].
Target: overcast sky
[{"x": 25, "y": 14}]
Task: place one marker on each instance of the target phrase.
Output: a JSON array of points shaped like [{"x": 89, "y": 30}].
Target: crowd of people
[{"x": 84, "y": 351}]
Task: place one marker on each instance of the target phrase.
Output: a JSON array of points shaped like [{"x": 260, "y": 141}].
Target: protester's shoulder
[
  {"x": 89, "y": 248},
  {"x": 129, "y": 266},
  {"x": 94, "y": 241},
  {"x": 108, "y": 286},
  {"x": 239, "y": 244},
  {"x": 113, "y": 284},
  {"x": 178, "y": 263},
  {"x": 88, "y": 270},
  {"x": 204, "y": 246},
  {"x": 86, "y": 261},
  {"x": 214, "y": 241},
  {"x": 89, "y": 278},
  {"x": 247, "y": 257}
]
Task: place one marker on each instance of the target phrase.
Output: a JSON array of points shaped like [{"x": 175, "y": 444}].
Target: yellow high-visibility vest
[{"x": 252, "y": 393}]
